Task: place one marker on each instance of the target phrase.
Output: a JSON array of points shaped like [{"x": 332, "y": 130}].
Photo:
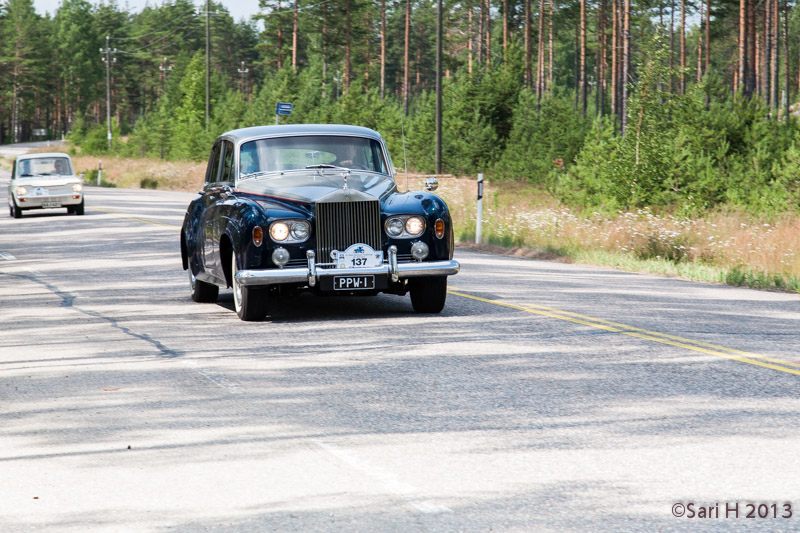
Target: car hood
[
  {"x": 46, "y": 181},
  {"x": 313, "y": 186}
]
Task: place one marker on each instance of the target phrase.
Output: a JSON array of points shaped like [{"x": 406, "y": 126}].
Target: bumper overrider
[{"x": 313, "y": 273}]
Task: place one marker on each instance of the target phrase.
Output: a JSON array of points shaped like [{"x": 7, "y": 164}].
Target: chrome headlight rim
[
  {"x": 290, "y": 231},
  {"x": 413, "y": 226}
]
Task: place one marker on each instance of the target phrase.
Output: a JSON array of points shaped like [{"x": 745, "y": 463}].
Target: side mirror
[{"x": 431, "y": 184}]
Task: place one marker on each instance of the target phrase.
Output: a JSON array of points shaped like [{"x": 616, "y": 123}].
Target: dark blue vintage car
[{"x": 313, "y": 208}]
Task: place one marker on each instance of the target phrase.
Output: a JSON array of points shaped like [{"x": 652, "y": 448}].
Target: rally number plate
[
  {"x": 51, "y": 203},
  {"x": 359, "y": 256}
]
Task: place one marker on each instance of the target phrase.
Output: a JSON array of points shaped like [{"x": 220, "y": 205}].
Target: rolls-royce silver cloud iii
[{"x": 315, "y": 208}]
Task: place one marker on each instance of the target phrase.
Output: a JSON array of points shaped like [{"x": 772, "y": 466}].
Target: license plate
[
  {"x": 51, "y": 203},
  {"x": 353, "y": 283},
  {"x": 359, "y": 256}
]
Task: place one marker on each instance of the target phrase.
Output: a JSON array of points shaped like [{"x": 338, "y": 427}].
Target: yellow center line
[
  {"x": 137, "y": 219},
  {"x": 615, "y": 327}
]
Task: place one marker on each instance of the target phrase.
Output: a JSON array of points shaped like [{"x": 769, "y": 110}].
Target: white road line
[
  {"x": 7, "y": 256},
  {"x": 405, "y": 491}
]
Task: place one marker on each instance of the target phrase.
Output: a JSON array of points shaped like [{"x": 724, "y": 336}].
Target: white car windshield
[
  {"x": 44, "y": 166},
  {"x": 310, "y": 151}
]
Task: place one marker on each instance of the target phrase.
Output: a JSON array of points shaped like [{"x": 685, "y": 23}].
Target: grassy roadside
[{"x": 720, "y": 247}]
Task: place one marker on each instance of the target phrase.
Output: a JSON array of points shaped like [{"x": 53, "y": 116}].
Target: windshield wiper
[
  {"x": 258, "y": 174},
  {"x": 324, "y": 166}
]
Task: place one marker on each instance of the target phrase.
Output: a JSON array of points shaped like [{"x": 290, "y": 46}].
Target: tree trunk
[
  {"x": 750, "y": 77},
  {"x": 383, "y": 49},
  {"x": 471, "y": 42},
  {"x": 614, "y": 57},
  {"x": 671, "y": 45},
  {"x": 324, "y": 48},
  {"x": 700, "y": 48},
  {"x": 582, "y": 83},
  {"x": 601, "y": 58},
  {"x": 505, "y": 32},
  {"x": 488, "y": 29},
  {"x": 550, "y": 51},
  {"x": 421, "y": 37},
  {"x": 708, "y": 36},
  {"x": 294, "y": 39},
  {"x": 367, "y": 59},
  {"x": 405, "y": 57},
  {"x": 540, "y": 54},
  {"x": 528, "y": 45},
  {"x": 347, "y": 47},
  {"x": 626, "y": 59},
  {"x": 776, "y": 24},
  {"x": 682, "y": 85},
  {"x": 280, "y": 36}
]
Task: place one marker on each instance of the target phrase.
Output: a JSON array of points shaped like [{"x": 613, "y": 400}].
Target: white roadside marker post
[{"x": 479, "y": 223}]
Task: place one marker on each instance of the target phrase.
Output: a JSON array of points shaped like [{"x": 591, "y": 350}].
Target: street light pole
[
  {"x": 208, "y": 59},
  {"x": 107, "y": 60},
  {"x": 439, "y": 88},
  {"x": 243, "y": 71}
]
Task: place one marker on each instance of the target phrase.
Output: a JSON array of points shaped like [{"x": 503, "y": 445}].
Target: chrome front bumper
[{"x": 311, "y": 274}]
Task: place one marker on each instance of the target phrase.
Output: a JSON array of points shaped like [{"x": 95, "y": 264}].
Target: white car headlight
[
  {"x": 404, "y": 226},
  {"x": 415, "y": 226},
  {"x": 77, "y": 187},
  {"x": 22, "y": 191},
  {"x": 279, "y": 231},
  {"x": 290, "y": 230}
]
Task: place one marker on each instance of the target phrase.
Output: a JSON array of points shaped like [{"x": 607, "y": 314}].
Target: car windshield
[
  {"x": 44, "y": 166},
  {"x": 311, "y": 151}
]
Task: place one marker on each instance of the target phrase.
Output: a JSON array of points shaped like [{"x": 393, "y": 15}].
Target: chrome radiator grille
[{"x": 341, "y": 224}]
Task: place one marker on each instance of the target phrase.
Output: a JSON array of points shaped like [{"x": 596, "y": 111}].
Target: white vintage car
[{"x": 44, "y": 181}]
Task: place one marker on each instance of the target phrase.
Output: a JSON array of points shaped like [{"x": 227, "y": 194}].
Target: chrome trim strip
[{"x": 278, "y": 276}]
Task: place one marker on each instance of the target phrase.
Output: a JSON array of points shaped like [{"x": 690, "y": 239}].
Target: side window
[
  {"x": 213, "y": 164},
  {"x": 227, "y": 168}
]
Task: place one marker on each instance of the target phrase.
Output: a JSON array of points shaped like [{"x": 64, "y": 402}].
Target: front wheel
[
  {"x": 202, "y": 292},
  {"x": 16, "y": 212},
  {"x": 428, "y": 294},
  {"x": 251, "y": 304},
  {"x": 76, "y": 209}
]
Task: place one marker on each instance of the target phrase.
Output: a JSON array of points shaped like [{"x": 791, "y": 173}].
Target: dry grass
[
  {"x": 726, "y": 247},
  {"x": 147, "y": 173}
]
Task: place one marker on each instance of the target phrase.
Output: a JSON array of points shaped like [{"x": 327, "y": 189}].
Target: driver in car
[{"x": 61, "y": 167}]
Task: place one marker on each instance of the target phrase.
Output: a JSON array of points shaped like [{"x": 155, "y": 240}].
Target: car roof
[
  {"x": 45, "y": 154},
  {"x": 255, "y": 132}
]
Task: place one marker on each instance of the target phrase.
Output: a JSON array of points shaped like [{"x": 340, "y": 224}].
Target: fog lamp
[
  {"x": 419, "y": 251},
  {"x": 280, "y": 256}
]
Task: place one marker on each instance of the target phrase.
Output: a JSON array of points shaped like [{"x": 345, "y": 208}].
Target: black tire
[
  {"x": 16, "y": 212},
  {"x": 428, "y": 295},
  {"x": 250, "y": 304},
  {"x": 78, "y": 209},
  {"x": 202, "y": 292}
]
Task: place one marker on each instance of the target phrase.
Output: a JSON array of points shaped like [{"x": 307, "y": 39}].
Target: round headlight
[
  {"x": 415, "y": 225},
  {"x": 77, "y": 187},
  {"x": 22, "y": 191},
  {"x": 300, "y": 231},
  {"x": 394, "y": 227},
  {"x": 279, "y": 231}
]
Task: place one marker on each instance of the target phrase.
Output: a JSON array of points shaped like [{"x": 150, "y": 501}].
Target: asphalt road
[{"x": 545, "y": 397}]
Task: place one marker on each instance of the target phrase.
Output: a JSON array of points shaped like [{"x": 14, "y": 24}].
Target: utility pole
[
  {"x": 208, "y": 60},
  {"x": 164, "y": 68},
  {"x": 107, "y": 59},
  {"x": 243, "y": 71},
  {"x": 439, "y": 88}
]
